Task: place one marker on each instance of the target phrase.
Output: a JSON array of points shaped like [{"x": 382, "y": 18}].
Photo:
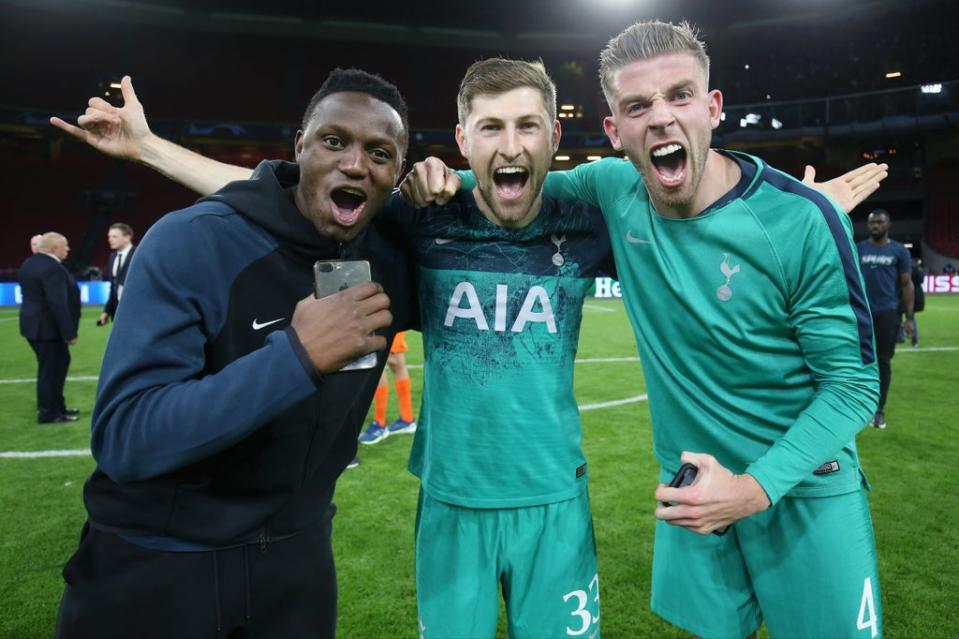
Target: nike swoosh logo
[
  {"x": 444, "y": 240},
  {"x": 257, "y": 326},
  {"x": 635, "y": 240}
]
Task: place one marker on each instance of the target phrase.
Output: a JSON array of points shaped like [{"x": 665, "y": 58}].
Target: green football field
[{"x": 912, "y": 466}]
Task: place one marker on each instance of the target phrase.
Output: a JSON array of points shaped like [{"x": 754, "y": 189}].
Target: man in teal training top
[{"x": 748, "y": 309}]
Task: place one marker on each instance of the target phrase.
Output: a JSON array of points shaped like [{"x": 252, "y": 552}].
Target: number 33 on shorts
[{"x": 584, "y": 619}]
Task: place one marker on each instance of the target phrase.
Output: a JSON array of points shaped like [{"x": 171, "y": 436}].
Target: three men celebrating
[{"x": 741, "y": 287}]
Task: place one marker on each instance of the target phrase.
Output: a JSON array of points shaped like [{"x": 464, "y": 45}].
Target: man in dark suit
[
  {"x": 49, "y": 318},
  {"x": 120, "y": 238}
]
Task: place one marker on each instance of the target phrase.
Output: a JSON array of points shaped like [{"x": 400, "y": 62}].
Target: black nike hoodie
[{"x": 211, "y": 427}]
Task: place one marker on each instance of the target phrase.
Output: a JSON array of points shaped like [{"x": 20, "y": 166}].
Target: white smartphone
[{"x": 333, "y": 276}]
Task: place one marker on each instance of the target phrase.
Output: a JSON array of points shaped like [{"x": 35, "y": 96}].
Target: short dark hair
[
  {"x": 882, "y": 212},
  {"x": 123, "y": 227},
  {"x": 359, "y": 81}
]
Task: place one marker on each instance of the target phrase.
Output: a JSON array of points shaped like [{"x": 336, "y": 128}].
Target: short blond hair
[
  {"x": 645, "y": 40},
  {"x": 496, "y": 76}
]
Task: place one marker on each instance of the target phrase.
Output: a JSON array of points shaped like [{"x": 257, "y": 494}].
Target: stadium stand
[
  {"x": 810, "y": 75},
  {"x": 942, "y": 210}
]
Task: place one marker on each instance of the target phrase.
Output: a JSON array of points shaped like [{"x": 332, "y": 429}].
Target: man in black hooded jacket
[{"x": 221, "y": 421}]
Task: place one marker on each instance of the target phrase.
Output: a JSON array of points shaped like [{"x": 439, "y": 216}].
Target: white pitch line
[
  {"x": 615, "y": 402},
  {"x": 32, "y": 380},
  {"x": 587, "y": 360},
  {"x": 606, "y": 360},
  {"x": 33, "y": 454},
  {"x": 604, "y": 309}
]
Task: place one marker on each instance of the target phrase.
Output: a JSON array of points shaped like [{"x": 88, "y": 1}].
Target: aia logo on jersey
[{"x": 536, "y": 308}]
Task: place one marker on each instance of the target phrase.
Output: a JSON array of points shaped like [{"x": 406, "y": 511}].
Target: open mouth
[
  {"x": 348, "y": 204},
  {"x": 669, "y": 160},
  {"x": 510, "y": 181}
]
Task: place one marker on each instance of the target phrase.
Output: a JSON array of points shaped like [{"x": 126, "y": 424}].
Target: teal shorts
[
  {"x": 542, "y": 557},
  {"x": 807, "y": 566}
]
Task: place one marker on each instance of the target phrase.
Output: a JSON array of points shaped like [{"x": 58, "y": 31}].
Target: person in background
[
  {"x": 378, "y": 430},
  {"x": 887, "y": 271},
  {"x": 49, "y": 320},
  {"x": 918, "y": 277},
  {"x": 120, "y": 238}
]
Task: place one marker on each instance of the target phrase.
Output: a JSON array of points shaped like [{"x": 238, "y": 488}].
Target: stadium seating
[
  {"x": 55, "y": 195},
  {"x": 942, "y": 210},
  {"x": 224, "y": 81}
]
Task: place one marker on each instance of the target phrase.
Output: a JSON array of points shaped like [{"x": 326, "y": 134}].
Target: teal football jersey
[
  {"x": 500, "y": 312},
  {"x": 751, "y": 322}
]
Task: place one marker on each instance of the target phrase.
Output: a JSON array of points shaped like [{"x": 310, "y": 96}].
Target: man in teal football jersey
[
  {"x": 503, "y": 273},
  {"x": 743, "y": 291}
]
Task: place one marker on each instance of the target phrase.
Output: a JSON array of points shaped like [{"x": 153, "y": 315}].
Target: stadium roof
[{"x": 536, "y": 24}]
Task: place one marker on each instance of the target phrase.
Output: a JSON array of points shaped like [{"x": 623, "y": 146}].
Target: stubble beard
[
  {"x": 517, "y": 212},
  {"x": 684, "y": 198}
]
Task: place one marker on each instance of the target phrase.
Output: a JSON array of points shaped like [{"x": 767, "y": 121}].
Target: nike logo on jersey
[
  {"x": 632, "y": 239},
  {"x": 444, "y": 240},
  {"x": 257, "y": 326}
]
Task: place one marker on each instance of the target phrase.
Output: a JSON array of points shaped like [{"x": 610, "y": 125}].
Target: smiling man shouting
[
  {"x": 221, "y": 421},
  {"x": 743, "y": 291},
  {"x": 503, "y": 273}
]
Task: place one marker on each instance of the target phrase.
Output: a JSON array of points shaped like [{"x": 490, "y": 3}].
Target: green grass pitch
[{"x": 912, "y": 466}]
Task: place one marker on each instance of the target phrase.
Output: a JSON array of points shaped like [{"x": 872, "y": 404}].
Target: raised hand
[
  {"x": 849, "y": 189},
  {"x": 119, "y": 132}
]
